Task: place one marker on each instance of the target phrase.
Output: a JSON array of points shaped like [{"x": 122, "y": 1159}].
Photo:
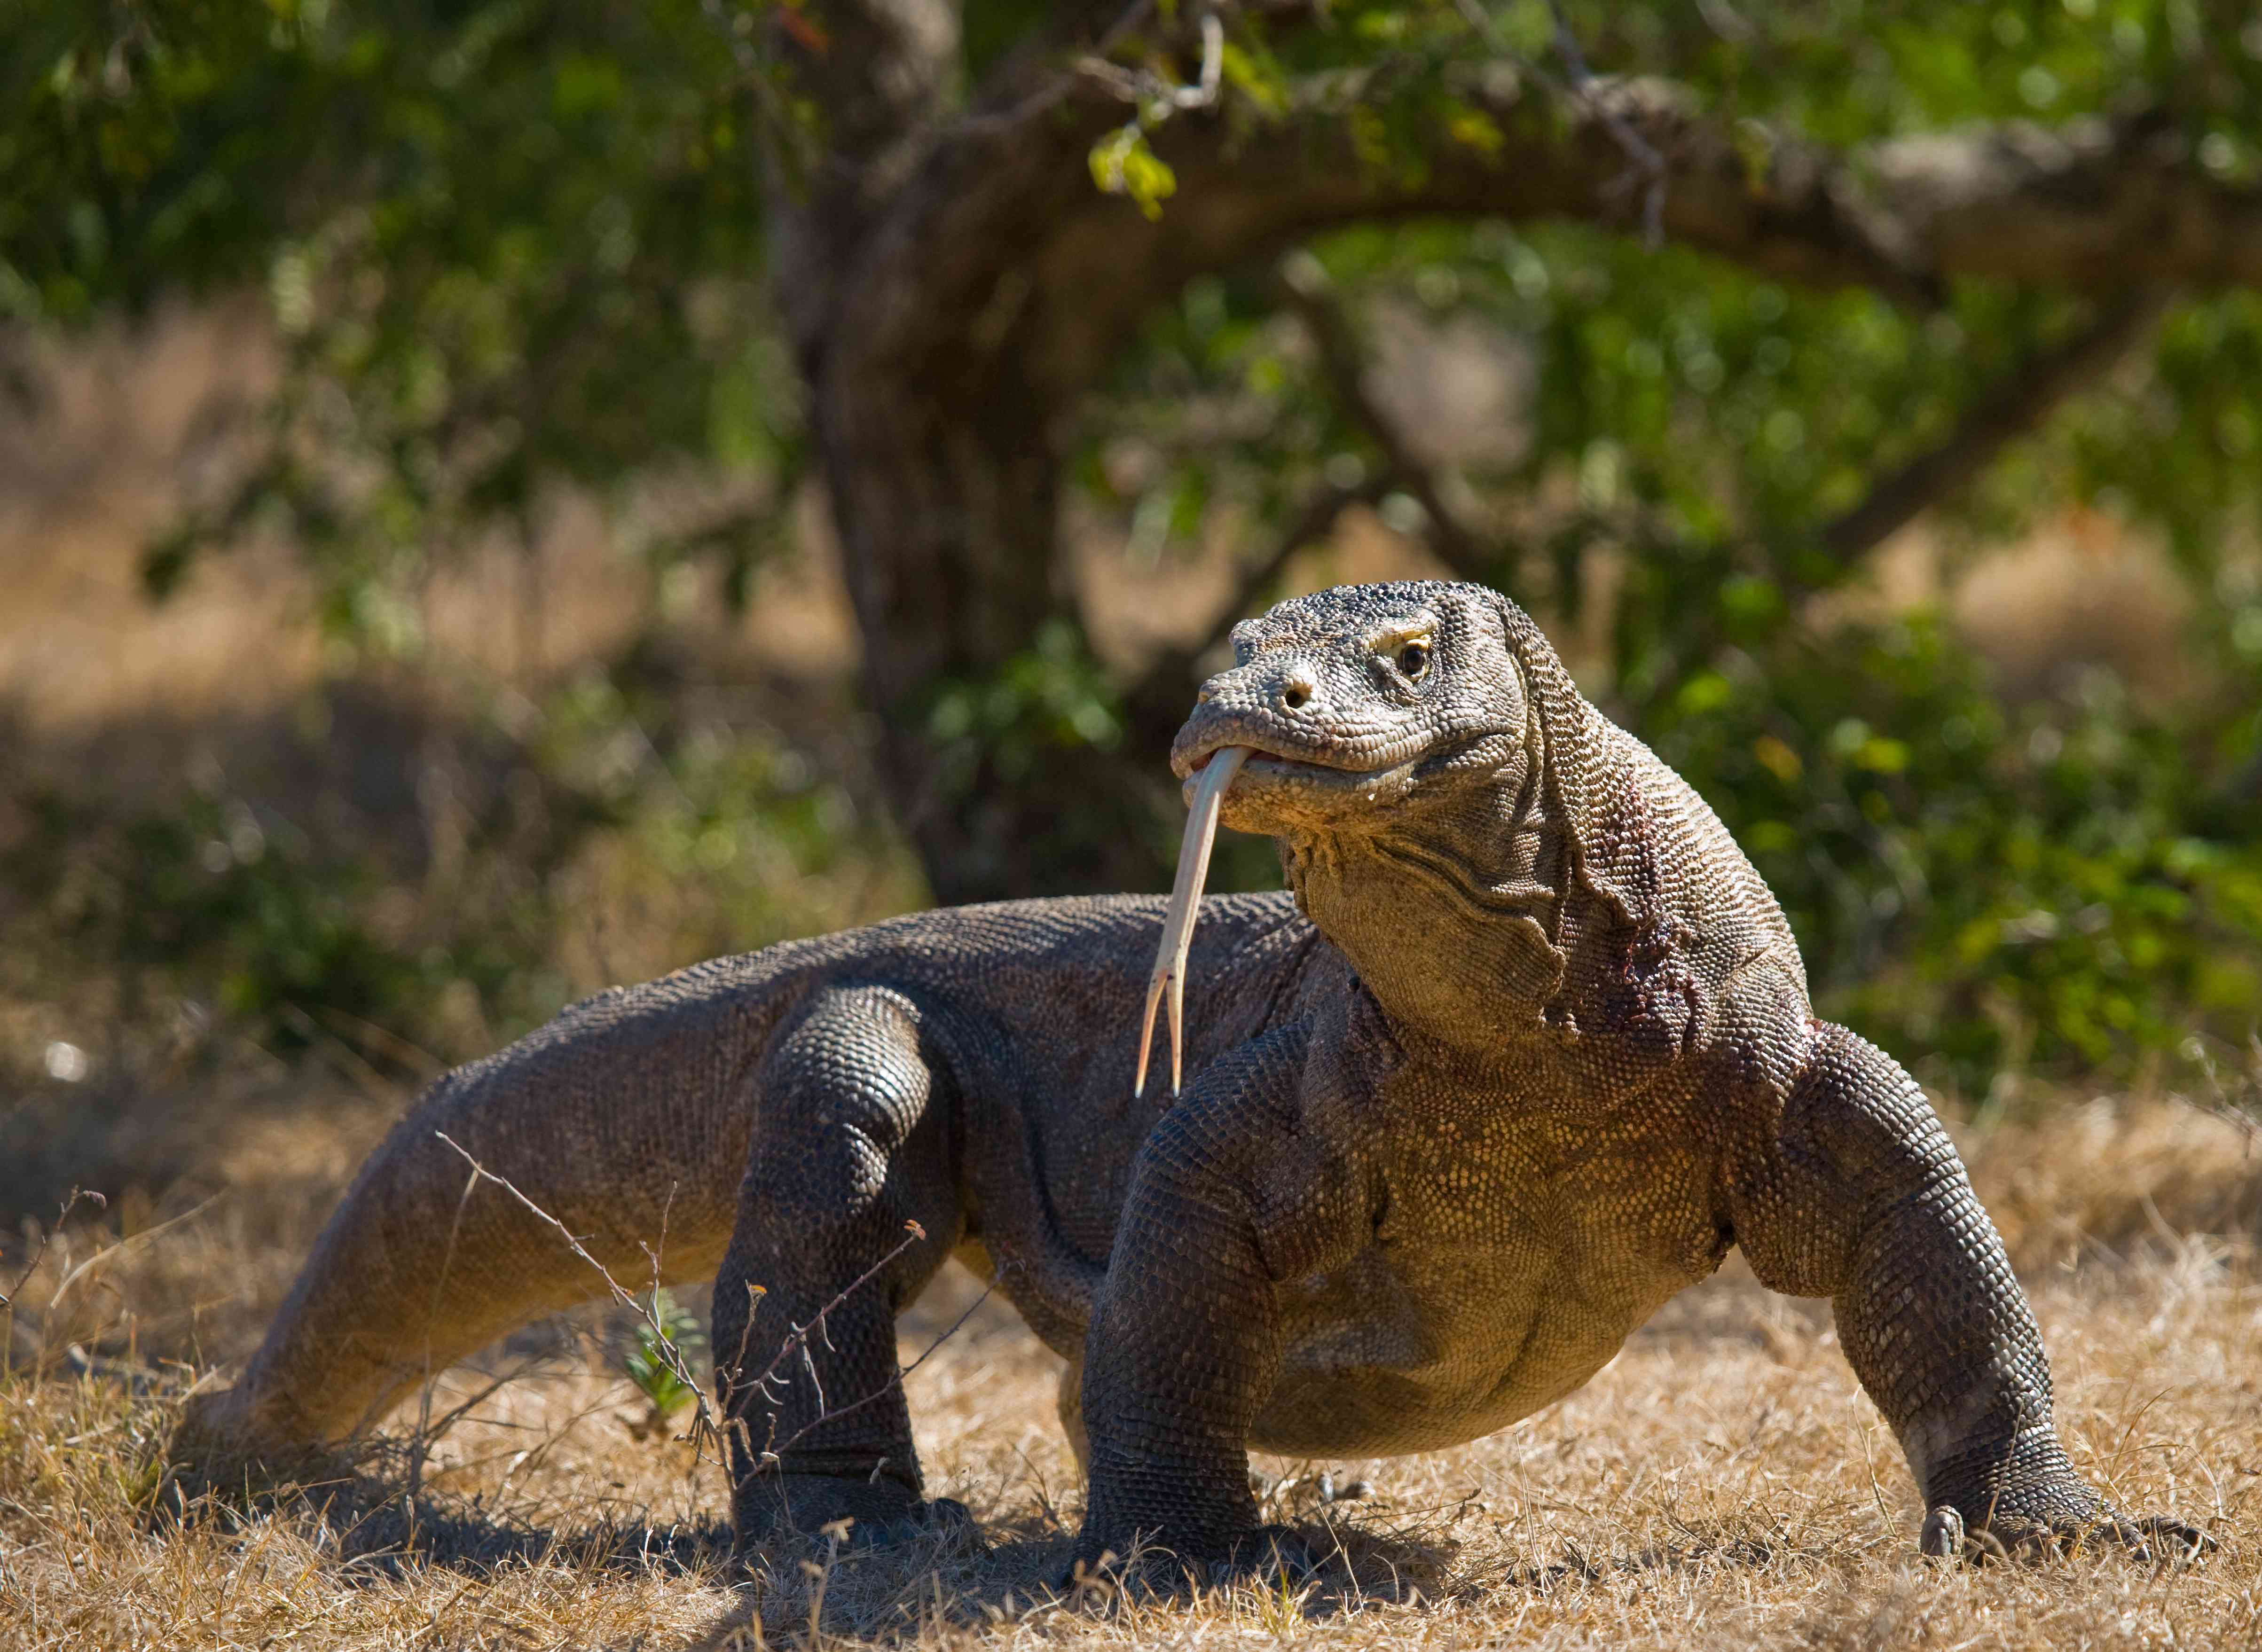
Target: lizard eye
[{"x": 1413, "y": 660}]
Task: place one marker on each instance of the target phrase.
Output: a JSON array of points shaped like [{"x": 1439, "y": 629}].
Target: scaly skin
[{"x": 1536, "y": 1052}]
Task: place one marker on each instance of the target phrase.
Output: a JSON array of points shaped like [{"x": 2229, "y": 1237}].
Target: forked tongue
[{"x": 1178, "y": 920}]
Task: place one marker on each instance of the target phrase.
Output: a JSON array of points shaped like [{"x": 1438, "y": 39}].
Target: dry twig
[
  {"x": 797, "y": 1342},
  {"x": 707, "y": 1426},
  {"x": 39, "y": 1254},
  {"x": 704, "y": 1427}
]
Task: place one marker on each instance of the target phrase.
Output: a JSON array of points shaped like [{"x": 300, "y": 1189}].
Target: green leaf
[{"x": 1123, "y": 163}]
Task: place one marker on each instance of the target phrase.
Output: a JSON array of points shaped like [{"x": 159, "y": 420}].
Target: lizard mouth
[
  {"x": 1210, "y": 771},
  {"x": 1274, "y": 761},
  {"x": 1285, "y": 775}
]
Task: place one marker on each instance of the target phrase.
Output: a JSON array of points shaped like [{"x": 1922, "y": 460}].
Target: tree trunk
[
  {"x": 945, "y": 497},
  {"x": 940, "y": 359}
]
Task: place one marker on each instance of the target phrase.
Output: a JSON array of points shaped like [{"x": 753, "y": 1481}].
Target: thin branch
[
  {"x": 1306, "y": 292},
  {"x": 999, "y": 114},
  {"x": 1148, "y": 88},
  {"x": 2018, "y": 401},
  {"x": 2230, "y": 1112},
  {"x": 39, "y": 1254},
  {"x": 798, "y": 1341},
  {"x": 799, "y": 1336},
  {"x": 888, "y": 1387},
  {"x": 1642, "y": 153},
  {"x": 429, "y": 1433},
  {"x": 2015, "y": 405},
  {"x": 704, "y": 1424},
  {"x": 1305, "y": 286}
]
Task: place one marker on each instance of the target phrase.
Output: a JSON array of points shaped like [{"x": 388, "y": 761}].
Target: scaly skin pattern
[{"x": 1524, "y": 1050}]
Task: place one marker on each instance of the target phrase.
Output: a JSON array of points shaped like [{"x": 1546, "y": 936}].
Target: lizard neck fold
[{"x": 1452, "y": 915}]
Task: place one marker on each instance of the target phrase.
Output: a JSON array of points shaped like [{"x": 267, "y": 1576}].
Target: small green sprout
[{"x": 651, "y": 1362}]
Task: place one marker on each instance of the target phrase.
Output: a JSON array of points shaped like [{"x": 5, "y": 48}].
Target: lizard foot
[
  {"x": 944, "y": 1518},
  {"x": 2158, "y": 1540},
  {"x": 862, "y": 1515},
  {"x": 1271, "y": 1554}
]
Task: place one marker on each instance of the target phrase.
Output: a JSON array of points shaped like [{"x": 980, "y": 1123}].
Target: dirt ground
[{"x": 1723, "y": 1483}]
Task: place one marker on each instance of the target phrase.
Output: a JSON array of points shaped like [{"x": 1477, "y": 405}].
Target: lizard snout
[{"x": 1277, "y": 706}]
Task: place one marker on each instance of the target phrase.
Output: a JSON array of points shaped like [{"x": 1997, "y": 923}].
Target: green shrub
[{"x": 2059, "y": 887}]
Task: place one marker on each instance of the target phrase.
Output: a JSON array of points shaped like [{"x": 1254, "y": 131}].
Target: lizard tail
[{"x": 627, "y": 1119}]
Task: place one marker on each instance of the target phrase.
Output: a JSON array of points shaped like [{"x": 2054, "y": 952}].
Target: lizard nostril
[{"x": 1296, "y": 692}]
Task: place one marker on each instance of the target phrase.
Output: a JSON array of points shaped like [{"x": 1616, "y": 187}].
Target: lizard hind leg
[{"x": 850, "y": 1144}]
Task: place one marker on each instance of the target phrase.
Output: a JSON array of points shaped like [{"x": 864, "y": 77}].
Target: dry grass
[{"x": 1722, "y": 1483}]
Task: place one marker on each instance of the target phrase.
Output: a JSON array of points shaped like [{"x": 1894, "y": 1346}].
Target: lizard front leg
[
  {"x": 1856, "y": 1193},
  {"x": 1228, "y": 1196},
  {"x": 849, "y": 1146}
]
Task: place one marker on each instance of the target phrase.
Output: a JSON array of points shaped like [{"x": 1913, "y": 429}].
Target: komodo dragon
[{"x": 1525, "y": 1049}]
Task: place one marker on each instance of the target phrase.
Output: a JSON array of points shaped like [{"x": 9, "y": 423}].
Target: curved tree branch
[
  {"x": 2096, "y": 206},
  {"x": 954, "y": 281},
  {"x": 1303, "y": 285},
  {"x": 2015, "y": 404}
]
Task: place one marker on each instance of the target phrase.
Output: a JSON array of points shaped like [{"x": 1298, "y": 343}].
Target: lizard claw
[
  {"x": 2155, "y": 1541},
  {"x": 2161, "y": 1540},
  {"x": 1170, "y": 972}
]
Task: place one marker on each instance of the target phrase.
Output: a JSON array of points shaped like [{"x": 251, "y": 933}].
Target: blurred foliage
[
  {"x": 1052, "y": 695},
  {"x": 265, "y": 929},
  {"x": 504, "y": 874},
  {"x": 510, "y": 247},
  {"x": 517, "y": 247},
  {"x": 1985, "y": 888}
]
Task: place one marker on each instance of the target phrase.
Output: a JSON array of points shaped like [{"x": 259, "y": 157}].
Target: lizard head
[
  {"x": 1360, "y": 707},
  {"x": 1390, "y": 738},
  {"x": 1438, "y": 788},
  {"x": 1488, "y": 850}
]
